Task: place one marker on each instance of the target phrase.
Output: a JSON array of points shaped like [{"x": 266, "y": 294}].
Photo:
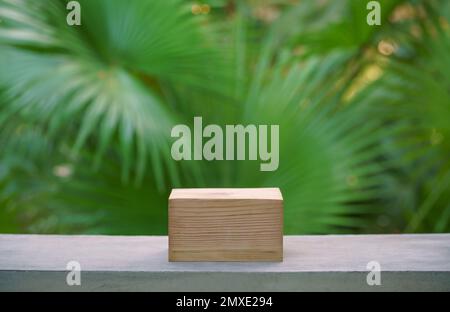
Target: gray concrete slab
[{"x": 139, "y": 263}]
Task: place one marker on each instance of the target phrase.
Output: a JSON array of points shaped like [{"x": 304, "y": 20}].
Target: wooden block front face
[{"x": 226, "y": 225}]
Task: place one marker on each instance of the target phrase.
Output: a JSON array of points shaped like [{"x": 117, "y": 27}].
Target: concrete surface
[{"x": 139, "y": 263}]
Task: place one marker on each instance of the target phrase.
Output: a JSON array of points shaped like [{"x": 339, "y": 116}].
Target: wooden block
[{"x": 226, "y": 225}]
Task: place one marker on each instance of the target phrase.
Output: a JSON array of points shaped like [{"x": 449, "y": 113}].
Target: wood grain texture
[{"x": 226, "y": 225}]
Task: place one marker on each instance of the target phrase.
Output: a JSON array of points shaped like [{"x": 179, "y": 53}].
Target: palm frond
[{"x": 107, "y": 75}]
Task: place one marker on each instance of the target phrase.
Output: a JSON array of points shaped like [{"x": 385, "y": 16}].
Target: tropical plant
[{"x": 86, "y": 111}]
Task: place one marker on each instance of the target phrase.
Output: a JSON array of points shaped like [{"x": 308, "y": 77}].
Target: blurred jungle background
[{"x": 86, "y": 111}]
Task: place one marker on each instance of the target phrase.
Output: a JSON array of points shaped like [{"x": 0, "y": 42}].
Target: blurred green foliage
[{"x": 86, "y": 111}]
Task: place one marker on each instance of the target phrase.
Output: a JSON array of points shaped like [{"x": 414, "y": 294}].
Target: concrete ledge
[{"x": 139, "y": 263}]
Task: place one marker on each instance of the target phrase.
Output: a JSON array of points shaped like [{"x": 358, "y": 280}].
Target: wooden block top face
[
  {"x": 226, "y": 225},
  {"x": 227, "y": 193}
]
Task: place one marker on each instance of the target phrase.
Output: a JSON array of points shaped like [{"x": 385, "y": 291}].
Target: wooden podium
[{"x": 226, "y": 225}]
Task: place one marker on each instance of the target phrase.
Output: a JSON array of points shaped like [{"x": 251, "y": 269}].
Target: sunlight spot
[
  {"x": 196, "y": 9},
  {"x": 266, "y": 13},
  {"x": 386, "y": 47},
  {"x": 436, "y": 137},
  {"x": 206, "y": 9},
  {"x": 373, "y": 73},
  {"x": 416, "y": 31},
  {"x": 62, "y": 171},
  {"x": 402, "y": 13}
]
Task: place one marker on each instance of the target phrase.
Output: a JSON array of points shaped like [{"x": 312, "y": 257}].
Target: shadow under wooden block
[{"x": 226, "y": 225}]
